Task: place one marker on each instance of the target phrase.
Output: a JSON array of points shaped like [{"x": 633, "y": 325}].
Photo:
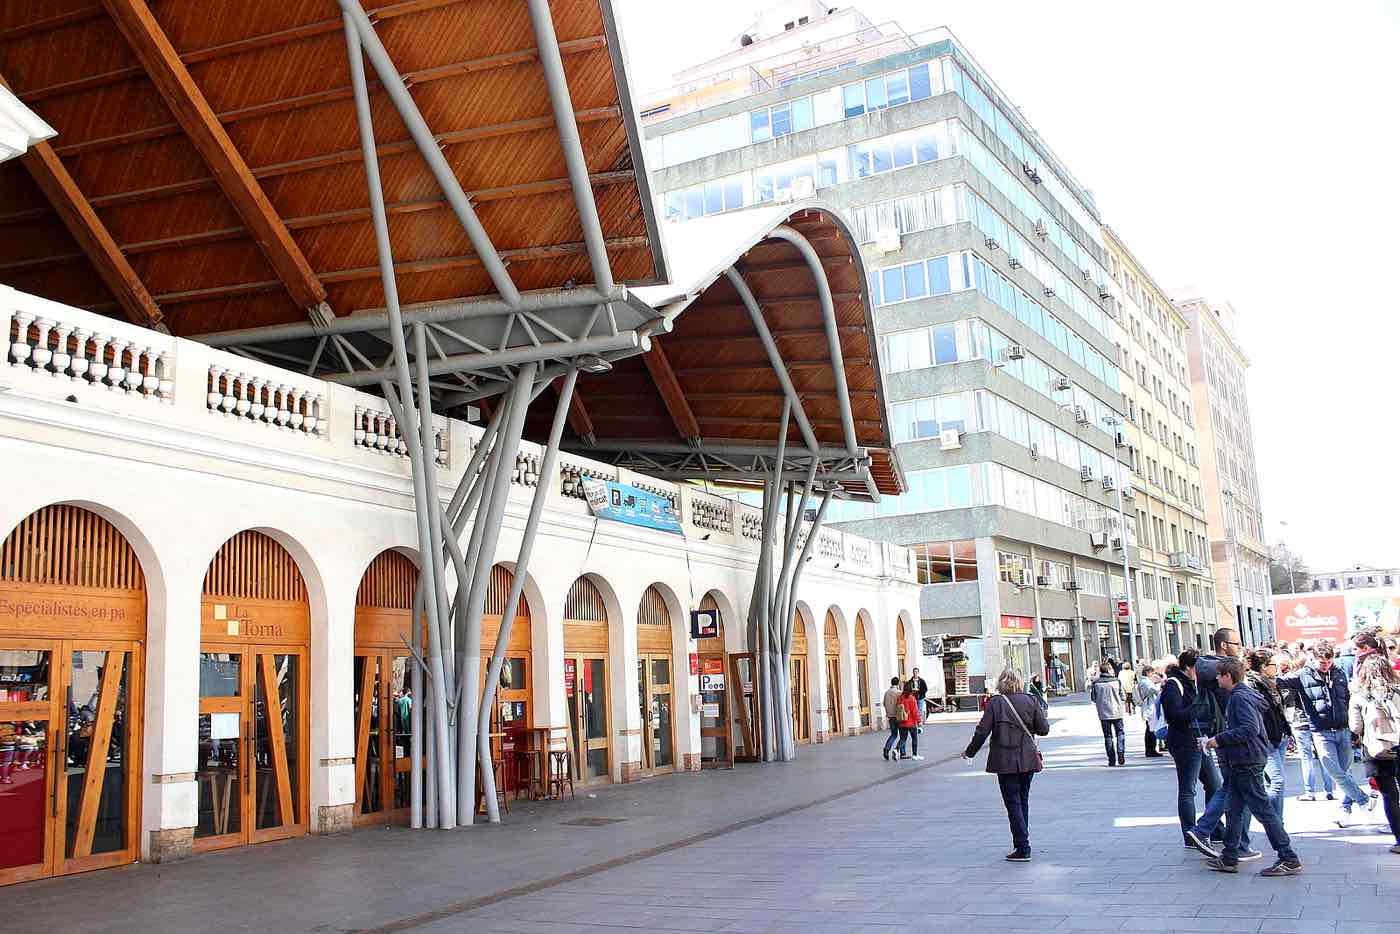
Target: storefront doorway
[
  {"x": 798, "y": 685},
  {"x": 902, "y": 649},
  {"x": 383, "y": 693},
  {"x": 255, "y": 629},
  {"x": 831, "y": 641},
  {"x": 716, "y": 746},
  {"x": 654, "y": 683},
  {"x": 513, "y": 714},
  {"x": 1058, "y": 648},
  {"x": 586, "y": 683},
  {"x": 71, "y": 672},
  {"x": 863, "y": 675}
]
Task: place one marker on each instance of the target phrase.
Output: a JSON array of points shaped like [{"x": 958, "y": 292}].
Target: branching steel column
[{"x": 427, "y": 544}]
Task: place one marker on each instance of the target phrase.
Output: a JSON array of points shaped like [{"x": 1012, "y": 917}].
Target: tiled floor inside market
[{"x": 838, "y": 841}]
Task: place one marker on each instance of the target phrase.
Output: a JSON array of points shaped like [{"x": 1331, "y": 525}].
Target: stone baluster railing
[
  {"x": 379, "y": 431},
  {"x": 87, "y": 355},
  {"x": 252, "y": 397}
]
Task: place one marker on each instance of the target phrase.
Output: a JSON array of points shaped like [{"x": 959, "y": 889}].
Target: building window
[
  {"x": 946, "y": 562},
  {"x": 1013, "y": 568}
]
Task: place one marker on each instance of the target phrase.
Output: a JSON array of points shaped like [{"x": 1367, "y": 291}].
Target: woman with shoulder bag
[
  {"x": 1013, "y": 719},
  {"x": 1374, "y": 715}
]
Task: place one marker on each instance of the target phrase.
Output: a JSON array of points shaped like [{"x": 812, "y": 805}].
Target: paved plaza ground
[{"x": 838, "y": 841}]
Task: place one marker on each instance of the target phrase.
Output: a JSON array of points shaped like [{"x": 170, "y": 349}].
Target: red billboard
[{"x": 1310, "y": 617}]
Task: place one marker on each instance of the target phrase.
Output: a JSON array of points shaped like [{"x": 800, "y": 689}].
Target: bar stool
[
  {"x": 527, "y": 779},
  {"x": 561, "y": 773},
  {"x": 499, "y": 771}
]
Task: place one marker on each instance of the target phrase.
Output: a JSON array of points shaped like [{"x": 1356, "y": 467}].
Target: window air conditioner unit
[
  {"x": 1118, "y": 544},
  {"x": 1043, "y": 582},
  {"x": 1023, "y": 578},
  {"x": 1062, "y": 383},
  {"x": 1035, "y": 450},
  {"x": 1049, "y": 292},
  {"x": 1085, "y": 274},
  {"x": 1014, "y": 263},
  {"x": 1119, "y": 441},
  {"x": 1081, "y": 415},
  {"x": 950, "y": 439},
  {"x": 1071, "y": 586},
  {"x": 1098, "y": 539},
  {"x": 1015, "y": 352},
  {"x": 1129, "y": 492},
  {"x": 1041, "y": 230},
  {"x": 992, "y": 244},
  {"x": 1086, "y": 473},
  {"x": 1104, "y": 292},
  {"x": 1107, "y": 484},
  {"x": 887, "y": 240},
  {"x": 1032, "y": 172}
]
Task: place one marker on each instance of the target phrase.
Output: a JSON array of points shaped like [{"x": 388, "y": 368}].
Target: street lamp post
[{"x": 1115, "y": 423}]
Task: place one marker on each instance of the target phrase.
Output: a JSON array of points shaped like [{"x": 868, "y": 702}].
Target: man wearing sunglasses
[
  {"x": 1324, "y": 697},
  {"x": 1210, "y": 828}
]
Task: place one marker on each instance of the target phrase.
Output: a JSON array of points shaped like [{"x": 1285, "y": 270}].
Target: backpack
[
  {"x": 1157, "y": 719},
  {"x": 1382, "y": 726}
]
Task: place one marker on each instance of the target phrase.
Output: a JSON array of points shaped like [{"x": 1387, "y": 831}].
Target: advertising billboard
[{"x": 1310, "y": 616}]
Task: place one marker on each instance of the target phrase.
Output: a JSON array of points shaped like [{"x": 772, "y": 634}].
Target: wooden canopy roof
[
  {"x": 708, "y": 386},
  {"x": 207, "y": 173}
]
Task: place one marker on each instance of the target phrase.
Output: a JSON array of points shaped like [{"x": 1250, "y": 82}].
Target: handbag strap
[{"x": 1019, "y": 722}]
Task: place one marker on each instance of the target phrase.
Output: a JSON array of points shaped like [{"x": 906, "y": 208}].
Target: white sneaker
[
  {"x": 920, "y": 758},
  {"x": 1343, "y": 819},
  {"x": 1371, "y": 802}
]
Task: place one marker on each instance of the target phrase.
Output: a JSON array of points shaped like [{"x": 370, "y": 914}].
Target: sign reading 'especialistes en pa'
[{"x": 622, "y": 502}]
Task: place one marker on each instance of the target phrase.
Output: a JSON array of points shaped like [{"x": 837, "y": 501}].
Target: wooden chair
[{"x": 561, "y": 773}]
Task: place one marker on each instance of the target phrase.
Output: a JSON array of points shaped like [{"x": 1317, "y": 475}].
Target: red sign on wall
[
  {"x": 713, "y": 666},
  {"x": 1123, "y": 608},
  {"x": 570, "y": 677},
  {"x": 1017, "y": 626},
  {"x": 1311, "y": 617},
  {"x": 694, "y": 663}
]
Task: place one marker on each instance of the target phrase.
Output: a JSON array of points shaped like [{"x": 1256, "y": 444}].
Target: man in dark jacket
[
  {"x": 1190, "y": 716},
  {"x": 1243, "y": 748},
  {"x": 1324, "y": 698},
  {"x": 919, "y": 687},
  {"x": 1225, "y": 643}
]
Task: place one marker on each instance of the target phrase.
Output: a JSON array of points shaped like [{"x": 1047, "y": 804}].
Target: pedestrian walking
[
  {"x": 1145, "y": 692},
  {"x": 1190, "y": 714},
  {"x": 1374, "y": 716},
  {"x": 1127, "y": 680},
  {"x": 1225, "y": 644},
  {"x": 1107, "y": 694},
  {"x": 909, "y": 718},
  {"x": 1243, "y": 747},
  {"x": 1012, "y": 721},
  {"x": 892, "y": 714},
  {"x": 1326, "y": 699},
  {"x": 1315, "y": 777},
  {"x": 1263, "y": 678},
  {"x": 1036, "y": 689},
  {"x": 920, "y": 688}
]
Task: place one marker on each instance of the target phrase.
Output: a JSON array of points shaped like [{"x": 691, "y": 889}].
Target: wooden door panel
[{"x": 97, "y": 754}]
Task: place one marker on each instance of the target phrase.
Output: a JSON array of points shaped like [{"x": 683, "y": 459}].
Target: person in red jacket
[{"x": 909, "y": 718}]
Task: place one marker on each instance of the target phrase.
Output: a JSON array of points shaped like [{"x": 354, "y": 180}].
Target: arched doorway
[
  {"x": 831, "y": 640},
  {"x": 72, "y": 633},
  {"x": 716, "y": 741},
  {"x": 655, "y": 678},
  {"x": 902, "y": 645},
  {"x": 586, "y": 682},
  {"x": 799, "y": 682},
  {"x": 383, "y": 695},
  {"x": 867, "y": 714},
  {"x": 255, "y": 634},
  {"x": 513, "y": 713}
]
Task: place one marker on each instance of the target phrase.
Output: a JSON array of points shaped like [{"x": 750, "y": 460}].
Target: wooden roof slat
[
  {"x": 659, "y": 366},
  {"x": 92, "y": 235},
  {"x": 48, "y": 24},
  {"x": 172, "y": 79}
]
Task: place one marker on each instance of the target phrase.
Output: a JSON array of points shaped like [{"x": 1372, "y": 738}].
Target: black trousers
[
  {"x": 1016, "y": 795},
  {"x": 1149, "y": 741},
  {"x": 1386, "y": 772}
]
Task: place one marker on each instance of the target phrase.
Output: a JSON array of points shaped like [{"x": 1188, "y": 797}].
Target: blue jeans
[
  {"x": 1334, "y": 749},
  {"x": 1110, "y": 728},
  {"x": 1193, "y": 768},
  {"x": 1247, "y": 796},
  {"x": 907, "y": 733},
  {"x": 894, "y": 734},
  {"x": 1273, "y": 776},
  {"x": 1303, "y": 734},
  {"x": 1016, "y": 795},
  {"x": 1216, "y": 808}
]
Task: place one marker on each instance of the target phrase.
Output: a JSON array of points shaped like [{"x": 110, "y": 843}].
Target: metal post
[
  {"x": 393, "y": 84},
  {"x": 522, "y": 566},
  {"x": 415, "y": 715},
  {"x": 427, "y": 544}
]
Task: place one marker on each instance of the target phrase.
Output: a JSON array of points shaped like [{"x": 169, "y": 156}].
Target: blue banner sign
[{"x": 622, "y": 502}]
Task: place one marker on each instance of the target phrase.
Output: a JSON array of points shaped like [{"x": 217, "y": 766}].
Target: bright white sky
[{"x": 1250, "y": 149}]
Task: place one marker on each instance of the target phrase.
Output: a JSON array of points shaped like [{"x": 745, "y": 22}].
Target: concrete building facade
[
  {"x": 993, "y": 307},
  {"x": 1355, "y": 577},
  {"x": 1172, "y": 582},
  {"x": 1239, "y": 553}
]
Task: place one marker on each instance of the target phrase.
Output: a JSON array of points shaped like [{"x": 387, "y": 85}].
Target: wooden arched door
[
  {"x": 72, "y": 635},
  {"x": 655, "y": 683},
  {"x": 716, "y": 742},
  {"x": 586, "y": 682},
  {"x": 513, "y": 715},
  {"x": 831, "y": 642},
  {"x": 867, "y": 713},
  {"x": 382, "y": 687},
  {"x": 902, "y": 647},
  {"x": 799, "y": 682},
  {"x": 255, "y": 633}
]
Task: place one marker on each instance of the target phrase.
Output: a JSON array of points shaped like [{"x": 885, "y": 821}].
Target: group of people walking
[
  {"x": 905, "y": 704},
  {"x": 1228, "y": 719}
]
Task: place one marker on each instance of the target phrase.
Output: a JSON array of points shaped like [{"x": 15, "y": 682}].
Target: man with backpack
[
  {"x": 1225, "y": 643},
  {"x": 1325, "y": 698},
  {"x": 1243, "y": 749},
  {"x": 1263, "y": 678},
  {"x": 1184, "y": 716}
]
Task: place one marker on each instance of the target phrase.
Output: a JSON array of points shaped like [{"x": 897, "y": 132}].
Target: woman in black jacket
[
  {"x": 1189, "y": 713},
  {"x": 1012, "y": 719}
]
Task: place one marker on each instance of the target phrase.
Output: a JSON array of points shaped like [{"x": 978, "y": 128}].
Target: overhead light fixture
[{"x": 592, "y": 363}]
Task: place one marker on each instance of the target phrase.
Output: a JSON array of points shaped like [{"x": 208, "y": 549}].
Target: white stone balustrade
[
  {"x": 377, "y": 430},
  {"x": 243, "y": 390},
  {"x": 78, "y": 348}
]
